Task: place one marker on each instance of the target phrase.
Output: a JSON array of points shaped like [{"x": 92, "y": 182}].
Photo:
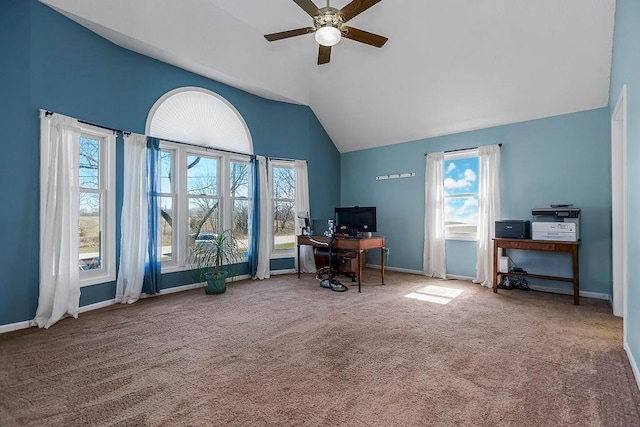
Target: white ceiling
[{"x": 449, "y": 65}]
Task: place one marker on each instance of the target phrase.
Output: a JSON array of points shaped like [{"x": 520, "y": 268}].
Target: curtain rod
[
  {"x": 190, "y": 144},
  {"x": 284, "y": 159},
  {"x": 49, "y": 113},
  {"x": 461, "y": 149},
  {"x": 124, "y": 132}
]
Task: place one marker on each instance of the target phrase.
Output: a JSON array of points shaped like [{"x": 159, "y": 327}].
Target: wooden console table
[
  {"x": 346, "y": 244},
  {"x": 538, "y": 245}
]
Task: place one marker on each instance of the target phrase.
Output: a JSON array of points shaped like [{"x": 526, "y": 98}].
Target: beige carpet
[{"x": 288, "y": 352}]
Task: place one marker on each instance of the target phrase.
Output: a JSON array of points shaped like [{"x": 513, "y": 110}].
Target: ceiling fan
[{"x": 328, "y": 24}]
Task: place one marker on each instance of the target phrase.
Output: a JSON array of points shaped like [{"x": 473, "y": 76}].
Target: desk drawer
[{"x": 532, "y": 246}]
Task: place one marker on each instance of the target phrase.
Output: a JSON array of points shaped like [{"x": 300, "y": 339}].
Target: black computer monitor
[{"x": 351, "y": 220}]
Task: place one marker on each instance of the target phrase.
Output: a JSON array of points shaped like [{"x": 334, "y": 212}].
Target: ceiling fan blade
[
  {"x": 363, "y": 36},
  {"x": 308, "y": 7},
  {"x": 324, "y": 55},
  {"x": 291, "y": 33},
  {"x": 356, "y": 7}
]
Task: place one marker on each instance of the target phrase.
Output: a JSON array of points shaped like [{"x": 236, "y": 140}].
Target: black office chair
[{"x": 338, "y": 259}]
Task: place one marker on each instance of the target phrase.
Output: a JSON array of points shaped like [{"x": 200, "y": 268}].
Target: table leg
[
  {"x": 382, "y": 264},
  {"x": 359, "y": 269},
  {"x": 496, "y": 254},
  {"x": 298, "y": 260},
  {"x": 576, "y": 276}
]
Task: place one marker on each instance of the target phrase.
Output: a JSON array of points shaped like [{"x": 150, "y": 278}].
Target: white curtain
[
  {"x": 59, "y": 217},
  {"x": 266, "y": 219},
  {"x": 434, "y": 241},
  {"x": 307, "y": 260},
  {"x": 134, "y": 221},
  {"x": 488, "y": 211}
]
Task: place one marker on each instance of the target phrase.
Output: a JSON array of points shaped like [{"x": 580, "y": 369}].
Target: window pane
[
  {"x": 461, "y": 214},
  {"x": 166, "y": 158},
  {"x": 89, "y": 176},
  {"x": 166, "y": 229},
  {"x": 283, "y": 225},
  {"x": 202, "y": 175},
  {"x": 239, "y": 179},
  {"x": 461, "y": 176},
  {"x": 89, "y": 231},
  {"x": 284, "y": 186},
  {"x": 204, "y": 217},
  {"x": 240, "y": 216}
]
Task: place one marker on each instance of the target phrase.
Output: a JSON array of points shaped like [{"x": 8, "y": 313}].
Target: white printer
[
  {"x": 557, "y": 222},
  {"x": 562, "y": 231}
]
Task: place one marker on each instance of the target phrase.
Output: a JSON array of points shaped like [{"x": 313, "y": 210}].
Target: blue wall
[
  {"x": 563, "y": 159},
  {"x": 625, "y": 69},
  {"x": 50, "y": 62}
]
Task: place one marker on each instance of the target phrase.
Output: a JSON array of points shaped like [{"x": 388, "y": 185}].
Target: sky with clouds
[{"x": 461, "y": 177}]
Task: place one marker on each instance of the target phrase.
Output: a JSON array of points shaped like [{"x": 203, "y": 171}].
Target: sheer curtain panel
[
  {"x": 254, "y": 223},
  {"x": 307, "y": 261},
  {"x": 134, "y": 221},
  {"x": 266, "y": 215},
  {"x": 434, "y": 264},
  {"x": 488, "y": 211},
  {"x": 59, "y": 217},
  {"x": 152, "y": 271}
]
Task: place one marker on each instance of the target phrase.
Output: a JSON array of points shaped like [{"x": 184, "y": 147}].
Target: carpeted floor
[{"x": 288, "y": 352}]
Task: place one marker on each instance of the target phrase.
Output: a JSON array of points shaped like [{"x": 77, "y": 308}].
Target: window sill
[
  {"x": 280, "y": 255},
  {"x": 462, "y": 237},
  {"x": 97, "y": 280}
]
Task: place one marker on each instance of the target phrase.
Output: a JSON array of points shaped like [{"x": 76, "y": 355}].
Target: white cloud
[
  {"x": 466, "y": 181},
  {"x": 470, "y": 204},
  {"x": 467, "y": 212},
  {"x": 451, "y": 167}
]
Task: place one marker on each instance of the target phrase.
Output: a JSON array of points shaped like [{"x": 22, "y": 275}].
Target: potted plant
[{"x": 209, "y": 252}]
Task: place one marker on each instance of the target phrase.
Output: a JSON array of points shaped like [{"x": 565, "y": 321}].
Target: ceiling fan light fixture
[{"x": 328, "y": 35}]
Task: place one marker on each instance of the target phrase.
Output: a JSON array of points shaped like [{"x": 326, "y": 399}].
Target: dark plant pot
[{"x": 216, "y": 283}]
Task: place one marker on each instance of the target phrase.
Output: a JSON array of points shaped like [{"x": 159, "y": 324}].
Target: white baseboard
[
  {"x": 191, "y": 286},
  {"x": 29, "y": 323},
  {"x": 418, "y": 272},
  {"x": 175, "y": 289},
  {"x": 96, "y": 306},
  {"x": 585, "y": 294},
  {"x": 632, "y": 361},
  {"x": 15, "y": 326},
  {"x": 279, "y": 272},
  {"x": 458, "y": 277},
  {"x": 397, "y": 269}
]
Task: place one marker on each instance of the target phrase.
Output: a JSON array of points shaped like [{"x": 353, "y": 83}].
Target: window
[
  {"x": 461, "y": 195},
  {"x": 240, "y": 207},
  {"x": 282, "y": 178},
  {"x": 168, "y": 197},
  {"x": 96, "y": 224},
  {"x": 203, "y": 195},
  {"x": 203, "y": 192}
]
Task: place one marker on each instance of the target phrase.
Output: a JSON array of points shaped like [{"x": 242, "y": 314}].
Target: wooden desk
[
  {"x": 538, "y": 245},
  {"x": 354, "y": 245}
]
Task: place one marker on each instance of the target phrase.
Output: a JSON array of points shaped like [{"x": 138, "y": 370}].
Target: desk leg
[
  {"x": 359, "y": 269},
  {"x": 382, "y": 263},
  {"x": 298, "y": 261},
  {"x": 576, "y": 276},
  {"x": 496, "y": 254}
]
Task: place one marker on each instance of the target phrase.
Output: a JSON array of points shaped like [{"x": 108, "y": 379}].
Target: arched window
[
  {"x": 199, "y": 116},
  {"x": 204, "y": 183}
]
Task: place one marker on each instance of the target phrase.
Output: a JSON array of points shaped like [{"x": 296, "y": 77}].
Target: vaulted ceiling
[{"x": 449, "y": 65}]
